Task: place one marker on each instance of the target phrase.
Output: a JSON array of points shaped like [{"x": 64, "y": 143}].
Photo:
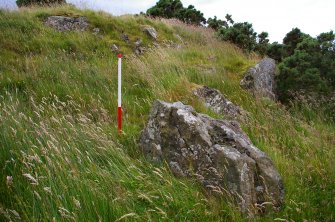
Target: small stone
[
  {"x": 96, "y": 31},
  {"x": 114, "y": 48},
  {"x": 140, "y": 50},
  {"x": 9, "y": 181},
  {"x": 138, "y": 43},
  {"x": 125, "y": 37}
]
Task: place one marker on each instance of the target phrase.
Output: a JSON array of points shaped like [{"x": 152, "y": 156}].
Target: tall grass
[{"x": 63, "y": 160}]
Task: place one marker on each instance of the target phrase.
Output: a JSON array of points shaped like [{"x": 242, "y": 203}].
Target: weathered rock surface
[
  {"x": 150, "y": 31},
  {"x": 214, "y": 100},
  {"x": 63, "y": 23},
  {"x": 216, "y": 152},
  {"x": 260, "y": 79}
]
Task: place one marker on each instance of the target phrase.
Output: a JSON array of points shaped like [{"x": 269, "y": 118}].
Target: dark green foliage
[
  {"x": 241, "y": 34},
  {"x": 229, "y": 19},
  {"x": 175, "y": 9},
  {"x": 275, "y": 51},
  {"x": 166, "y": 8},
  {"x": 262, "y": 43},
  {"x": 216, "y": 24},
  {"x": 327, "y": 50},
  {"x": 291, "y": 40},
  {"x": 310, "y": 69},
  {"x": 191, "y": 15},
  {"x": 22, "y": 3}
]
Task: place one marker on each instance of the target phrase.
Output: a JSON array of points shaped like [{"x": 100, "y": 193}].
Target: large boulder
[
  {"x": 260, "y": 79},
  {"x": 216, "y": 152},
  {"x": 216, "y": 101},
  {"x": 63, "y": 23}
]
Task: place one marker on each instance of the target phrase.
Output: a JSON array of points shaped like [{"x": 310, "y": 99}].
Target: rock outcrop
[
  {"x": 260, "y": 80},
  {"x": 150, "y": 31},
  {"x": 214, "y": 100},
  {"x": 63, "y": 23},
  {"x": 216, "y": 152}
]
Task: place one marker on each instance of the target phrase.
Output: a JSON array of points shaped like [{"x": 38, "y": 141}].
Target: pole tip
[{"x": 119, "y": 56}]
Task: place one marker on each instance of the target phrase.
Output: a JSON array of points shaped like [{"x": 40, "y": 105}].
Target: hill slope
[{"x": 60, "y": 153}]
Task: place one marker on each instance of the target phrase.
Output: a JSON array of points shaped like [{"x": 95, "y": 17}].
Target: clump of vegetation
[
  {"x": 60, "y": 153},
  {"x": 175, "y": 9},
  {"x": 216, "y": 23},
  {"x": 307, "y": 65},
  {"x": 241, "y": 34}
]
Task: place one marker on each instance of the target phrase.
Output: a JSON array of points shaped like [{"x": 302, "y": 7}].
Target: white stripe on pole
[
  {"x": 119, "y": 109},
  {"x": 119, "y": 80}
]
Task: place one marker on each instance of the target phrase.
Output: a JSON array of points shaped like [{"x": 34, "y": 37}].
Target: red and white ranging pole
[{"x": 119, "y": 108}]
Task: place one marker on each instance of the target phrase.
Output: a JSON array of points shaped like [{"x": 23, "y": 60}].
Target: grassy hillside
[{"x": 58, "y": 138}]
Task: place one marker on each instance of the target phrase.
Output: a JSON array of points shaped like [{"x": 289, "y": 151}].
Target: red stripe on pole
[
  {"x": 119, "y": 119},
  {"x": 119, "y": 56}
]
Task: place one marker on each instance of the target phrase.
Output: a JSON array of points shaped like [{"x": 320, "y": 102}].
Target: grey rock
[
  {"x": 63, "y": 23},
  {"x": 140, "y": 50},
  {"x": 96, "y": 31},
  {"x": 138, "y": 42},
  {"x": 125, "y": 37},
  {"x": 215, "y": 152},
  {"x": 114, "y": 48},
  {"x": 260, "y": 80},
  {"x": 216, "y": 101},
  {"x": 150, "y": 31}
]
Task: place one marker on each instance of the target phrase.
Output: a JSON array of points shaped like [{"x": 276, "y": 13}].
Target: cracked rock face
[
  {"x": 261, "y": 79},
  {"x": 216, "y": 152},
  {"x": 214, "y": 100},
  {"x": 63, "y": 23}
]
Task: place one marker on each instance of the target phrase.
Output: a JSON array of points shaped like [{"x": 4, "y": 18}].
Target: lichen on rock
[{"x": 214, "y": 151}]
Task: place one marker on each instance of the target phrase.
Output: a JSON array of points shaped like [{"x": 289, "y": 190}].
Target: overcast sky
[{"x": 275, "y": 17}]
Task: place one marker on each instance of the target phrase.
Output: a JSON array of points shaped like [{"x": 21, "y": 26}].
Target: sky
[{"x": 273, "y": 16}]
